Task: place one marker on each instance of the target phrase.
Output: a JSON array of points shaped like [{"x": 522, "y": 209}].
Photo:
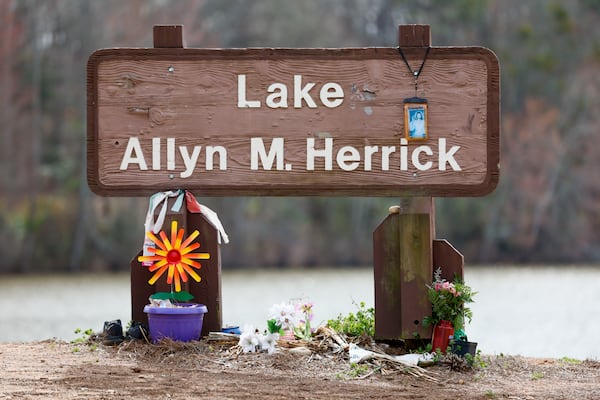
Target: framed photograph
[{"x": 415, "y": 120}]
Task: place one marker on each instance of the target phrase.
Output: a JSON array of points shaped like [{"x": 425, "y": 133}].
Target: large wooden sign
[{"x": 292, "y": 121}]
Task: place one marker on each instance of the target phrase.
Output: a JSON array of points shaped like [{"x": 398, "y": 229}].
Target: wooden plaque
[{"x": 291, "y": 122}]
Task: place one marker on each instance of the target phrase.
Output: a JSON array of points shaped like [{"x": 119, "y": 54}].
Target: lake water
[{"x": 538, "y": 312}]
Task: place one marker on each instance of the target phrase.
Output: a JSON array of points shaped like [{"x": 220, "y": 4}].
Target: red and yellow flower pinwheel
[{"x": 174, "y": 255}]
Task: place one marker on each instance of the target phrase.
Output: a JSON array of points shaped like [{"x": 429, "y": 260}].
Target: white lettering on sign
[
  {"x": 257, "y": 150},
  {"x": 302, "y": 93},
  {"x": 447, "y": 157},
  {"x": 155, "y": 154},
  {"x": 278, "y": 96},
  {"x": 331, "y": 94},
  {"x": 269, "y": 156},
  {"x": 312, "y": 153},
  {"x": 189, "y": 160},
  {"x": 416, "y": 158},
  {"x": 242, "y": 102},
  {"x": 348, "y": 158},
  {"x": 134, "y": 155},
  {"x": 133, "y": 146}
]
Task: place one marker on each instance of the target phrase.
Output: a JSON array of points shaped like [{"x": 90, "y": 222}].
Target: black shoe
[
  {"x": 113, "y": 333},
  {"x": 138, "y": 330}
]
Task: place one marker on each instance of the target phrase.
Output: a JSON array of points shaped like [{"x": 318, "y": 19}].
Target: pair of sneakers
[{"x": 113, "y": 332}]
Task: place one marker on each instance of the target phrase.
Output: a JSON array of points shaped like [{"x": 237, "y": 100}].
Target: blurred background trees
[{"x": 546, "y": 208}]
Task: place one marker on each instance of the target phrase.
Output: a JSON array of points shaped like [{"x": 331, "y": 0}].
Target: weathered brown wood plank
[
  {"x": 402, "y": 258},
  {"x": 191, "y": 95},
  {"x": 450, "y": 260}
]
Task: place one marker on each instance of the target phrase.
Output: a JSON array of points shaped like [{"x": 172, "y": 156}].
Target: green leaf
[
  {"x": 363, "y": 322},
  {"x": 176, "y": 296},
  {"x": 273, "y": 327}
]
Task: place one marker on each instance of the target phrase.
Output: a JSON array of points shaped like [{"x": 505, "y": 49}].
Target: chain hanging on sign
[{"x": 415, "y": 108}]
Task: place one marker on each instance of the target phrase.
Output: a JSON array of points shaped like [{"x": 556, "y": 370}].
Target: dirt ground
[{"x": 59, "y": 370}]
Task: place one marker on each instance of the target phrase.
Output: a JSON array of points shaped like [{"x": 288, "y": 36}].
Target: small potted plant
[
  {"x": 170, "y": 314},
  {"x": 449, "y": 312}
]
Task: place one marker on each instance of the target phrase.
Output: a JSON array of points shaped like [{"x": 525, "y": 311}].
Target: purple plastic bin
[{"x": 180, "y": 323}]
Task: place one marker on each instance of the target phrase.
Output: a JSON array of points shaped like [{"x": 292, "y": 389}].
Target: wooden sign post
[
  {"x": 409, "y": 121},
  {"x": 207, "y": 291},
  {"x": 405, "y": 252}
]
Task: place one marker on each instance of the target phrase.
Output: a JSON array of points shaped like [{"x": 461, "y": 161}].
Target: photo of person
[{"x": 415, "y": 118}]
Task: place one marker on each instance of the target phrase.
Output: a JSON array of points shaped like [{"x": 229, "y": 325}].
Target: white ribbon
[
  {"x": 213, "y": 218},
  {"x": 157, "y": 199},
  {"x": 161, "y": 200}
]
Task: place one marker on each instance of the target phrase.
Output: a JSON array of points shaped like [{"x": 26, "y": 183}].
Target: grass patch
[
  {"x": 569, "y": 360},
  {"x": 355, "y": 371},
  {"x": 535, "y": 375}
]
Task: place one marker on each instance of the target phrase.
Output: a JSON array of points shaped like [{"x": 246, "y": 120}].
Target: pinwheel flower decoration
[{"x": 174, "y": 256}]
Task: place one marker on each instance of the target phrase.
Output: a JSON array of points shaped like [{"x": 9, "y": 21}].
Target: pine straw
[{"x": 327, "y": 351}]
